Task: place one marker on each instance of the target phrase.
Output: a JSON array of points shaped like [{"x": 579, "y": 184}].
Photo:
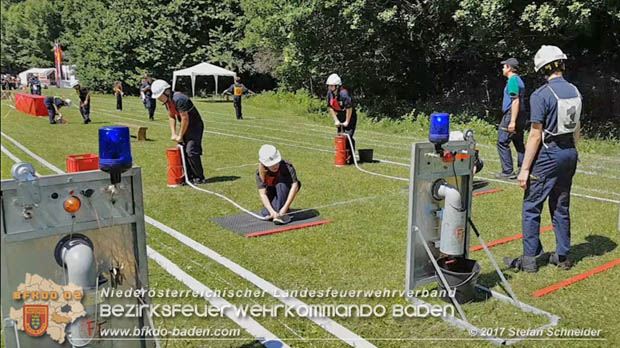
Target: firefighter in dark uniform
[
  {"x": 340, "y": 105},
  {"x": 35, "y": 85},
  {"x": 237, "y": 89},
  {"x": 277, "y": 183},
  {"x": 550, "y": 161},
  {"x": 118, "y": 93},
  {"x": 84, "y": 95},
  {"x": 53, "y": 105},
  {"x": 181, "y": 109},
  {"x": 149, "y": 100}
]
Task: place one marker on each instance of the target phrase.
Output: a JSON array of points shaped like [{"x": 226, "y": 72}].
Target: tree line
[{"x": 394, "y": 55}]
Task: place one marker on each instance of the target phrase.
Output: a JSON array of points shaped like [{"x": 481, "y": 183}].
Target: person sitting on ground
[
  {"x": 53, "y": 105},
  {"x": 277, "y": 183}
]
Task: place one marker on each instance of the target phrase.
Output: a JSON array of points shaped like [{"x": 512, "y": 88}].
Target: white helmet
[
  {"x": 333, "y": 80},
  {"x": 68, "y": 102},
  {"x": 546, "y": 55},
  {"x": 268, "y": 155},
  {"x": 158, "y": 87}
]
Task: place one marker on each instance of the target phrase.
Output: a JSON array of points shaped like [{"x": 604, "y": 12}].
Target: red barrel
[
  {"x": 342, "y": 153},
  {"x": 175, "y": 167}
]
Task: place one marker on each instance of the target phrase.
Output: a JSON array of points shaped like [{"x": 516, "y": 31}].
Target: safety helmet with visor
[
  {"x": 158, "y": 88},
  {"x": 546, "y": 55},
  {"x": 333, "y": 80},
  {"x": 268, "y": 155}
]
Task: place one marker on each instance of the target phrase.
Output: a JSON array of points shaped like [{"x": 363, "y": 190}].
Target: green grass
[{"x": 365, "y": 246}]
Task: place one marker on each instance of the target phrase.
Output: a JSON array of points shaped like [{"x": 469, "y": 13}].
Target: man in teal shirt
[{"x": 513, "y": 120}]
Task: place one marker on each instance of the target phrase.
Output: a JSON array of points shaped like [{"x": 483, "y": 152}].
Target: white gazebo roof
[{"x": 202, "y": 69}]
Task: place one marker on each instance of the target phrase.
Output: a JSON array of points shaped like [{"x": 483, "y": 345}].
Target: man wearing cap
[
  {"x": 277, "y": 183},
  {"x": 550, "y": 161},
  {"x": 513, "y": 120},
  {"x": 237, "y": 89}
]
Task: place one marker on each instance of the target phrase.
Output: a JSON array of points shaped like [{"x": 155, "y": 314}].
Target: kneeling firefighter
[
  {"x": 277, "y": 183},
  {"x": 181, "y": 109},
  {"x": 340, "y": 105}
]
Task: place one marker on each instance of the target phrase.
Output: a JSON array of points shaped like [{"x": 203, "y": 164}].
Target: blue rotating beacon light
[
  {"x": 114, "y": 152},
  {"x": 440, "y": 130}
]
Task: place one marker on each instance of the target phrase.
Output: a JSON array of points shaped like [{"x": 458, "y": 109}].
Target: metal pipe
[
  {"x": 452, "y": 221},
  {"x": 79, "y": 260}
]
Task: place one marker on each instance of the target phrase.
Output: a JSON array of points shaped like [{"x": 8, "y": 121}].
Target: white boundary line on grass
[
  {"x": 10, "y": 155},
  {"x": 367, "y": 133},
  {"x": 250, "y": 325},
  {"x": 327, "y": 324},
  {"x": 374, "y": 142},
  {"x": 240, "y": 166},
  {"x": 384, "y": 161},
  {"x": 264, "y": 336},
  {"x": 33, "y": 155}
]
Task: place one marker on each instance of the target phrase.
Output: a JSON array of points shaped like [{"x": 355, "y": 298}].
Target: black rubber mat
[{"x": 249, "y": 226}]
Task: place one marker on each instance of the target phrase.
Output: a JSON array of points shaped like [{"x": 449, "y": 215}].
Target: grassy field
[{"x": 365, "y": 246}]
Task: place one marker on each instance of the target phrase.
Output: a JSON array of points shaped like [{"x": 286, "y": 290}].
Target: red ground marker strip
[
  {"x": 480, "y": 193},
  {"x": 575, "y": 279},
  {"x": 287, "y": 228},
  {"x": 507, "y": 239}
]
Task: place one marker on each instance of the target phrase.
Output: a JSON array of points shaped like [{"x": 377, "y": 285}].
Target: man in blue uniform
[
  {"x": 181, "y": 109},
  {"x": 149, "y": 102},
  {"x": 35, "y": 85},
  {"x": 340, "y": 105},
  {"x": 237, "y": 89},
  {"x": 550, "y": 160},
  {"x": 513, "y": 120},
  {"x": 84, "y": 96},
  {"x": 53, "y": 105}
]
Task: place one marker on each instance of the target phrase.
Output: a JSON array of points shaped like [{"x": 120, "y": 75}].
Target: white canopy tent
[
  {"x": 41, "y": 73},
  {"x": 202, "y": 69}
]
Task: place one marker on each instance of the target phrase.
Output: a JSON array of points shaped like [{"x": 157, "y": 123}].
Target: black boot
[
  {"x": 522, "y": 263},
  {"x": 561, "y": 261}
]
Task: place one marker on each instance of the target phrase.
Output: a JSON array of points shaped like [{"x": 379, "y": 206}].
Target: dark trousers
[
  {"x": 193, "y": 151},
  {"x": 85, "y": 111},
  {"x": 150, "y": 106},
  {"x": 119, "y": 101},
  {"x": 277, "y": 196},
  {"x": 51, "y": 112},
  {"x": 504, "y": 139},
  {"x": 237, "y": 103},
  {"x": 551, "y": 177}
]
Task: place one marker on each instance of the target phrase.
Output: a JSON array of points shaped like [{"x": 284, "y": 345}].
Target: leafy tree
[{"x": 28, "y": 32}]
